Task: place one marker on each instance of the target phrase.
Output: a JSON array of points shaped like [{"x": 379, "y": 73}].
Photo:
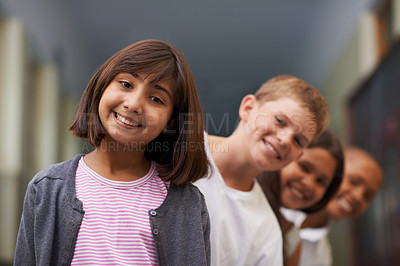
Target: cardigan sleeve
[
  {"x": 206, "y": 229},
  {"x": 25, "y": 248}
]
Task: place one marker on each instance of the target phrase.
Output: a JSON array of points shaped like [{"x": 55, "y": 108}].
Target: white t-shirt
[
  {"x": 316, "y": 249},
  {"x": 292, "y": 237},
  {"x": 244, "y": 229}
]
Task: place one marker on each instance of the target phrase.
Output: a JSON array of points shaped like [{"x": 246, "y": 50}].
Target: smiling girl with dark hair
[{"x": 130, "y": 201}]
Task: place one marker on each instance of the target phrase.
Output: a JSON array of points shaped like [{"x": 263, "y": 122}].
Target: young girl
[
  {"x": 129, "y": 201},
  {"x": 305, "y": 185}
]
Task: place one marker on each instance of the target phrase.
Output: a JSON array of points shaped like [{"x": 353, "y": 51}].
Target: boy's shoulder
[
  {"x": 216, "y": 144},
  {"x": 59, "y": 170}
]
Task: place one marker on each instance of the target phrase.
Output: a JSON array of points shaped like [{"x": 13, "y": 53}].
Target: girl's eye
[
  {"x": 304, "y": 167},
  {"x": 126, "y": 84},
  {"x": 156, "y": 99},
  {"x": 322, "y": 182}
]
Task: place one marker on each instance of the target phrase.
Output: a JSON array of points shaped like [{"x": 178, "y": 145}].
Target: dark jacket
[{"x": 52, "y": 216}]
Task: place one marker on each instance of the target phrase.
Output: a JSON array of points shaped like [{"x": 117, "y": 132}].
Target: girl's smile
[
  {"x": 298, "y": 192},
  {"x": 305, "y": 181},
  {"x": 126, "y": 121}
]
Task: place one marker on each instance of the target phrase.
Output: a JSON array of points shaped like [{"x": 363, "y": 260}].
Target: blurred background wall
[{"x": 50, "y": 49}]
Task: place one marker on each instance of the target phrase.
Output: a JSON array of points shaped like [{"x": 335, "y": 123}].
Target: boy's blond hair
[{"x": 291, "y": 87}]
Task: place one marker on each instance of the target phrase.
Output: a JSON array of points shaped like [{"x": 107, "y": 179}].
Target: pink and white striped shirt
[{"x": 115, "y": 229}]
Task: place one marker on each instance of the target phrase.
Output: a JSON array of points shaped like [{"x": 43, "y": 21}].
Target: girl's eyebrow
[
  {"x": 132, "y": 74},
  {"x": 161, "y": 88},
  {"x": 309, "y": 165}
]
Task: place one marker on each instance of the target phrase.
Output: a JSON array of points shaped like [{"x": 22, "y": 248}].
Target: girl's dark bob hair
[
  {"x": 270, "y": 181},
  {"x": 329, "y": 142},
  {"x": 180, "y": 154}
]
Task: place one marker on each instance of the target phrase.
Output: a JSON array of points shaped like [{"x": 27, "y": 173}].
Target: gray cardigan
[{"x": 52, "y": 216}]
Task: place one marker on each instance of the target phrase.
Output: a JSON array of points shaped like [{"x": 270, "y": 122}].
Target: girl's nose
[
  {"x": 308, "y": 182},
  {"x": 134, "y": 101}
]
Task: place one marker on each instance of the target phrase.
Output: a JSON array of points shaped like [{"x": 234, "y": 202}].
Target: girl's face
[
  {"x": 305, "y": 181},
  {"x": 278, "y": 131},
  {"x": 134, "y": 111}
]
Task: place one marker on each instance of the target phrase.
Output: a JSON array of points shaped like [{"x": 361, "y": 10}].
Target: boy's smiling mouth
[
  {"x": 126, "y": 121},
  {"x": 345, "y": 205},
  {"x": 272, "y": 149}
]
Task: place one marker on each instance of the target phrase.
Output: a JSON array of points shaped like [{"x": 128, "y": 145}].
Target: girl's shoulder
[
  {"x": 52, "y": 187},
  {"x": 187, "y": 193},
  {"x": 181, "y": 199},
  {"x": 188, "y": 188},
  {"x": 61, "y": 170}
]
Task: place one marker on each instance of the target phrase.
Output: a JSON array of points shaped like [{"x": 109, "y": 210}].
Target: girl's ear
[{"x": 246, "y": 106}]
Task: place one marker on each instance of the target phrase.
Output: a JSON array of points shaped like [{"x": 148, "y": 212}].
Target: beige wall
[
  {"x": 12, "y": 69},
  {"x": 396, "y": 18},
  {"x": 355, "y": 63},
  {"x": 34, "y": 119}
]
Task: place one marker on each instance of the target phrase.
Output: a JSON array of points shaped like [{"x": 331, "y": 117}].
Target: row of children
[
  {"x": 323, "y": 185},
  {"x": 157, "y": 190}
]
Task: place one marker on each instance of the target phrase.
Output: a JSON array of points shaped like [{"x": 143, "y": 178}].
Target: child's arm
[{"x": 25, "y": 249}]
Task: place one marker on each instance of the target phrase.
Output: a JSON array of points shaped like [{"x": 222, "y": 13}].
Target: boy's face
[
  {"x": 361, "y": 181},
  {"x": 278, "y": 131}
]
